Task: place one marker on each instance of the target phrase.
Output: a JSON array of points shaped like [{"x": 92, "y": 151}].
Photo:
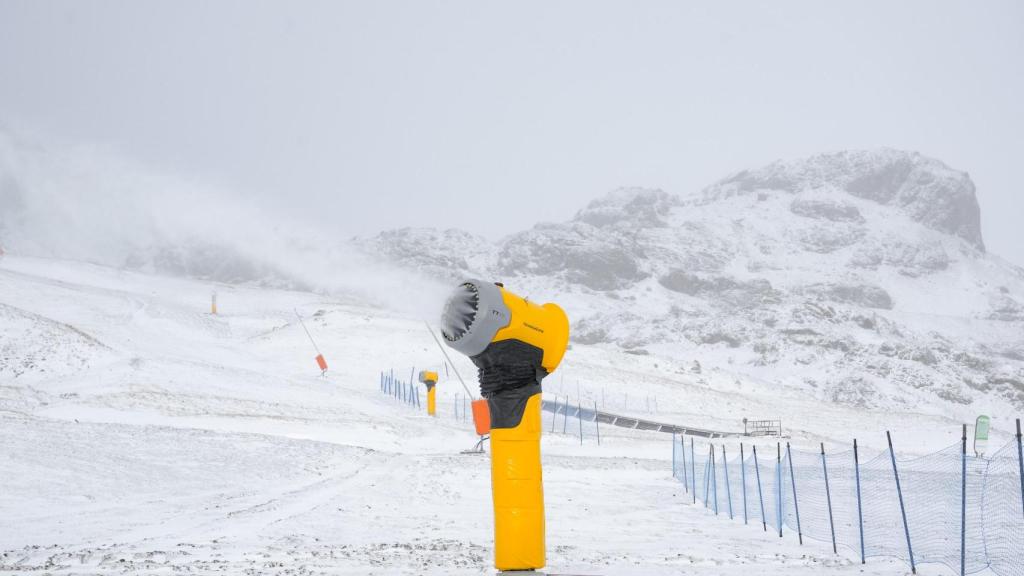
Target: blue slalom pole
[
  {"x": 903, "y": 509},
  {"x": 728, "y": 489},
  {"x": 743, "y": 481},
  {"x": 828, "y": 498},
  {"x": 860, "y": 509},
  {"x": 963, "y": 502},
  {"x": 796, "y": 505},
  {"x": 760, "y": 494}
]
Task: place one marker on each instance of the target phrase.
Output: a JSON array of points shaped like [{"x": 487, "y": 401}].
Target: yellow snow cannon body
[
  {"x": 514, "y": 344},
  {"x": 429, "y": 379}
]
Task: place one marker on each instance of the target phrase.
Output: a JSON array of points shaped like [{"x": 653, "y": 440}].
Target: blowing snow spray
[{"x": 514, "y": 345}]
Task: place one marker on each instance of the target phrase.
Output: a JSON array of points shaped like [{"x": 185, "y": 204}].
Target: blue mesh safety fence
[
  {"x": 961, "y": 511},
  {"x": 564, "y": 416}
]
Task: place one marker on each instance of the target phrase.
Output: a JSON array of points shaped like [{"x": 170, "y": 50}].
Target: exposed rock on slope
[{"x": 860, "y": 277}]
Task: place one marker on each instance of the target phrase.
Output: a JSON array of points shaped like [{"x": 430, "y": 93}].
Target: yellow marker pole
[{"x": 213, "y": 304}]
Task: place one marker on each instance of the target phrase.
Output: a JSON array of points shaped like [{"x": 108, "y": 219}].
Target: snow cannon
[
  {"x": 514, "y": 344},
  {"x": 429, "y": 379}
]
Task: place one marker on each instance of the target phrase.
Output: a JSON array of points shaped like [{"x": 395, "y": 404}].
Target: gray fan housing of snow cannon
[{"x": 473, "y": 315}]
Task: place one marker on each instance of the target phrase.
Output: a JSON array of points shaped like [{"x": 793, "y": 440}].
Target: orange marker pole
[{"x": 319, "y": 357}]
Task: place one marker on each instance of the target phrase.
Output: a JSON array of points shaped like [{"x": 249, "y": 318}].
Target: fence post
[
  {"x": 728, "y": 488},
  {"x": 828, "y": 498},
  {"x": 673, "y": 454},
  {"x": 554, "y": 415},
  {"x": 597, "y": 427},
  {"x": 860, "y": 509},
  {"x": 963, "y": 501},
  {"x": 455, "y": 406},
  {"x": 565, "y": 416},
  {"x": 707, "y": 484},
  {"x": 1020, "y": 464},
  {"x": 778, "y": 485},
  {"x": 686, "y": 481},
  {"x": 903, "y": 510},
  {"x": 796, "y": 504},
  {"x": 760, "y": 495},
  {"x": 714, "y": 478},
  {"x": 693, "y": 471},
  {"x": 743, "y": 481},
  {"x": 579, "y": 416}
]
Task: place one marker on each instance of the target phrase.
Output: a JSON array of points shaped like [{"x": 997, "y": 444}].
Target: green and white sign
[{"x": 980, "y": 435}]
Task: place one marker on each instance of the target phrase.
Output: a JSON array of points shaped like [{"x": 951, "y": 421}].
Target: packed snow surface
[{"x": 142, "y": 434}]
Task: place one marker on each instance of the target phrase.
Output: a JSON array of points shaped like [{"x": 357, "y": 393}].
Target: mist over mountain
[
  {"x": 93, "y": 205},
  {"x": 860, "y": 277}
]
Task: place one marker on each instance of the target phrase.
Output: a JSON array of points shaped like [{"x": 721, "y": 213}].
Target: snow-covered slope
[
  {"x": 859, "y": 278},
  {"x": 142, "y": 434}
]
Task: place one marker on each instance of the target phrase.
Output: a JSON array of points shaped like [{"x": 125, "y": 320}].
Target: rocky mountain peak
[
  {"x": 925, "y": 189},
  {"x": 636, "y": 207}
]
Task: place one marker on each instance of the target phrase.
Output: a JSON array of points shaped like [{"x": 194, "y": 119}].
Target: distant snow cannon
[
  {"x": 429, "y": 379},
  {"x": 514, "y": 344}
]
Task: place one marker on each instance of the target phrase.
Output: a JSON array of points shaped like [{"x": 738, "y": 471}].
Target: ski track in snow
[{"x": 194, "y": 444}]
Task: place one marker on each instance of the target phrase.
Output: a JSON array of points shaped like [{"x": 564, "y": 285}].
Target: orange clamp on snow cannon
[
  {"x": 429, "y": 379},
  {"x": 514, "y": 344}
]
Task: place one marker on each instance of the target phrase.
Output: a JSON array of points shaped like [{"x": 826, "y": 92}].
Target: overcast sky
[{"x": 490, "y": 117}]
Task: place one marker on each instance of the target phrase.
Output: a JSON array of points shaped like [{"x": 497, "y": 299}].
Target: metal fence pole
[
  {"x": 778, "y": 485},
  {"x": 714, "y": 478},
  {"x": 597, "y": 427},
  {"x": 565, "y": 417},
  {"x": 579, "y": 416},
  {"x": 743, "y": 481},
  {"x": 796, "y": 504},
  {"x": 903, "y": 509},
  {"x": 707, "y": 479},
  {"x": 728, "y": 488},
  {"x": 760, "y": 494},
  {"x": 673, "y": 454},
  {"x": 860, "y": 509},
  {"x": 693, "y": 472},
  {"x": 963, "y": 502},
  {"x": 828, "y": 498},
  {"x": 554, "y": 414},
  {"x": 1020, "y": 464},
  {"x": 686, "y": 481}
]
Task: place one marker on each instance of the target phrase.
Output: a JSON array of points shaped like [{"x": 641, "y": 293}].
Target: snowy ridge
[
  {"x": 192, "y": 443},
  {"x": 856, "y": 277}
]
